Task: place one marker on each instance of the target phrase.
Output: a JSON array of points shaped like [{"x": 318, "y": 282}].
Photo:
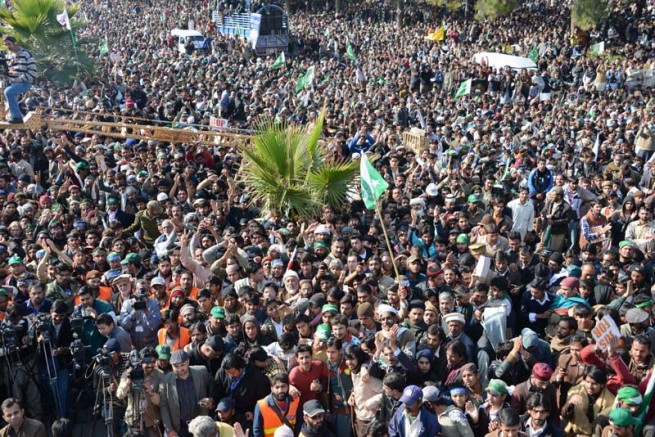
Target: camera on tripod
[
  {"x": 8, "y": 338},
  {"x": 42, "y": 326},
  {"x": 137, "y": 375},
  {"x": 103, "y": 362}
]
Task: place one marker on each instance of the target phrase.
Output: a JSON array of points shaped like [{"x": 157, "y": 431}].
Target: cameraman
[
  {"x": 141, "y": 318},
  {"x": 54, "y": 337},
  {"x": 109, "y": 365},
  {"x": 136, "y": 391},
  {"x": 88, "y": 309},
  {"x": 18, "y": 359}
]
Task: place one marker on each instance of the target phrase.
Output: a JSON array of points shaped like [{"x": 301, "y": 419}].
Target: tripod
[
  {"x": 46, "y": 349},
  {"x": 106, "y": 409}
]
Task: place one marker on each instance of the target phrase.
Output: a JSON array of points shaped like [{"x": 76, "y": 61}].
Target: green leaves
[
  {"x": 287, "y": 169},
  {"x": 588, "y": 14},
  {"x": 34, "y": 23},
  {"x": 492, "y": 9}
]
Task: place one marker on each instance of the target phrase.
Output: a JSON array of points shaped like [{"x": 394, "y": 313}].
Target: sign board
[
  {"x": 605, "y": 331},
  {"x": 255, "y": 23},
  {"x": 218, "y": 123},
  {"x": 115, "y": 57},
  {"x": 482, "y": 269}
]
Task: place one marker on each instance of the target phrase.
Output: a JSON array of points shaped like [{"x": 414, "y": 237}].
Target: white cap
[
  {"x": 454, "y": 317},
  {"x": 290, "y": 273},
  {"x": 157, "y": 280},
  {"x": 162, "y": 197},
  {"x": 432, "y": 190},
  {"x": 384, "y": 308},
  {"x": 283, "y": 431},
  {"x": 322, "y": 229}
]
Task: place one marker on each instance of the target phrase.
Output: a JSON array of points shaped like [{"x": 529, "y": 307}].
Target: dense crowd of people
[{"x": 144, "y": 293}]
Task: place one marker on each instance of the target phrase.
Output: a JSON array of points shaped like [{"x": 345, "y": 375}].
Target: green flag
[
  {"x": 104, "y": 47},
  {"x": 534, "y": 54},
  {"x": 350, "y": 53},
  {"x": 647, "y": 400},
  {"x": 279, "y": 62},
  {"x": 305, "y": 80},
  {"x": 598, "y": 48},
  {"x": 464, "y": 89},
  {"x": 373, "y": 184}
]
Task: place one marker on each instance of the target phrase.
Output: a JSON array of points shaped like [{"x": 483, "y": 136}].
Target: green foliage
[
  {"x": 450, "y": 5},
  {"x": 287, "y": 169},
  {"x": 492, "y": 9},
  {"x": 35, "y": 26},
  {"x": 588, "y": 14}
]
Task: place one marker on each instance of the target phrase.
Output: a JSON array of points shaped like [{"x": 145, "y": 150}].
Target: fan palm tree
[
  {"x": 287, "y": 169},
  {"x": 35, "y": 26}
]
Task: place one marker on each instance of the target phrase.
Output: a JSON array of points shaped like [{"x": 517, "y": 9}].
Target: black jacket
[{"x": 252, "y": 387}]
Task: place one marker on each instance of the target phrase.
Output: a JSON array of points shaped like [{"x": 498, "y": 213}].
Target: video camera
[
  {"x": 8, "y": 338},
  {"x": 137, "y": 375},
  {"x": 140, "y": 303},
  {"x": 102, "y": 361},
  {"x": 41, "y": 323}
]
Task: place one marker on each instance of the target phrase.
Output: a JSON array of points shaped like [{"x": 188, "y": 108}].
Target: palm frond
[{"x": 333, "y": 180}]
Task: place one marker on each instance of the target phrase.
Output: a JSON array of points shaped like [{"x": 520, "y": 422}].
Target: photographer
[
  {"x": 141, "y": 318},
  {"x": 109, "y": 365},
  {"x": 88, "y": 309},
  {"x": 18, "y": 371},
  {"x": 108, "y": 328},
  {"x": 54, "y": 336},
  {"x": 142, "y": 392}
]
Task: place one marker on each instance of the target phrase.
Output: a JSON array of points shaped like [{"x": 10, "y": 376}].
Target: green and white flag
[
  {"x": 279, "y": 62},
  {"x": 104, "y": 47},
  {"x": 534, "y": 54},
  {"x": 598, "y": 48},
  {"x": 350, "y": 53},
  {"x": 306, "y": 80},
  {"x": 464, "y": 89},
  {"x": 647, "y": 400},
  {"x": 373, "y": 184}
]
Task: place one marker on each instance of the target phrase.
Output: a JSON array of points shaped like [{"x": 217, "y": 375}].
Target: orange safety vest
[
  {"x": 271, "y": 419},
  {"x": 182, "y": 340},
  {"x": 104, "y": 293}
]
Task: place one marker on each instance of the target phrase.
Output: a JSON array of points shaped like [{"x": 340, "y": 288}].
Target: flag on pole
[
  {"x": 534, "y": 54},
  {"x": 597, "y": 147},
  {"x": 279, "y": 62},
  {"x": 104, "y": 47},
  {"x": 464, "y": 89},
  {"x": 306, "y": 80},
  {"x": 64, "y": 20},
  {"x": 350, "y": 53},
  {"x": 373, "y": 184},
  {"x": 598, "y": 48},
  {"x": 648, "y": 399}
]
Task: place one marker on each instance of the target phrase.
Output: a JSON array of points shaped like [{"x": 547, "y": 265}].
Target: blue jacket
[
  {"x": 361, "y": 148},
  {"x": 429, "y": 421}
]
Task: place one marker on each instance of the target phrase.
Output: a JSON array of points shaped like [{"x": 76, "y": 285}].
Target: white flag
[
  {"x": 597, "y": 147},
  {"x": 64, "y": 20}
]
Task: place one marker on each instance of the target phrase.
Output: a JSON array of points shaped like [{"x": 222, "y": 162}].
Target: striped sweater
[{"x": 23, "y": 67}]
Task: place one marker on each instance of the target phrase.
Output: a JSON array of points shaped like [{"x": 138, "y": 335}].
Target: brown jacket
[
  {"x": 572, "y": 377},
  {"x": 30, "y": 428}
]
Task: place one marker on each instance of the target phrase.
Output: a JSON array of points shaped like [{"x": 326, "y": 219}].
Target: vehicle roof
[{"x": 185, "y": 32}]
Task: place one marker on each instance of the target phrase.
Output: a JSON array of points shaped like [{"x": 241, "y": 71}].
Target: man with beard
[
  {"x": 375, "y": 272},
  {"x": 538, "y": 382},
  {"x": 291, "y": 282},
  {"x": 276, "y": 409},
  {"x": 586, "y": 401},
  {"x": 404, "y": 337},
  {"x": 638, "y": 323},
  {"x": 641, "y": 357},
  {"x": 63, "y": 287},
  {"x": 414, "y": 321},
  {"x": 560, "y": 343},
  {"x": 538, "y": 421},
  {"x": 314, "y": 424}
]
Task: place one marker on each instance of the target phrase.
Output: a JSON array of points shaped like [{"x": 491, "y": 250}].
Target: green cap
[
  {"x": 217, "y": 312},
  {"x": 3, "y": 292},
  {"x": 131, "y": 258},
  {"x": 323, "y": 331},
  {"x": 163, "y": 352},
  {"x": 113, "y": 256},
  {"x": 630, "y": 396},
  {"x": 329, "y": 307},
  {"x": 81, "y": 165},
  {"x": 622, "y": 417},
  {"x": 112, "y": 201},
  {"x": 15, "y": 261},
  {"x": 624, "y": 243},
  {"x": 473, "y": 198},
  {"x": 497, "y": 386},
  {"x": 463, "y": 238},
  {"x": 320, "y": 244}
]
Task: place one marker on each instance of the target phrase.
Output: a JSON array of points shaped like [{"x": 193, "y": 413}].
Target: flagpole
[{"x": 386, "y": 238}]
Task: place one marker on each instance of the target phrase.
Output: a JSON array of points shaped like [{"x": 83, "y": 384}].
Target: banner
[
  {"x": 217, "y": 123},
  {"x": 255, "y": 24}
]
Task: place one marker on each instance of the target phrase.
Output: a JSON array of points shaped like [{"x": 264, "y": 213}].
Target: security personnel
[{"x": 276, "y": 409}]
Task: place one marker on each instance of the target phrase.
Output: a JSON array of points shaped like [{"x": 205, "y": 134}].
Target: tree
[
  {"x": 588, "y": 14},
  {"x": 492, "y": 9},
  {"x": 287, "y": 169},
  {"x": 35, "y": 26},
  {"x": 450, "y": 5}
]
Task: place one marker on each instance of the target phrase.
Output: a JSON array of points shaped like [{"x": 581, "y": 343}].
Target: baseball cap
[
  {"x": 163, "y": 352},
  {"x": 225, "y": 405},
  {"x": 217, "y": 312},
  {"x": 312, "y": 408},
  {"x": 463, "y": 238},
  {"x": 113, "y": 256},
  {"x": 157, "y": 280},
  {"x": 131, "y": 258},
  {"x": 15, "y": 260},
  {"x": 411, "y": 395},
  {"x": 431, "y": 394}
]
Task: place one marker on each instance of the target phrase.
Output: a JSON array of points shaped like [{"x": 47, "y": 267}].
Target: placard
[{"x": 604, "y": 331}]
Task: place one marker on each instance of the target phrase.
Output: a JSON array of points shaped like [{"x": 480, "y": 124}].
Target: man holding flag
[{"x": 22, "y": 72}]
